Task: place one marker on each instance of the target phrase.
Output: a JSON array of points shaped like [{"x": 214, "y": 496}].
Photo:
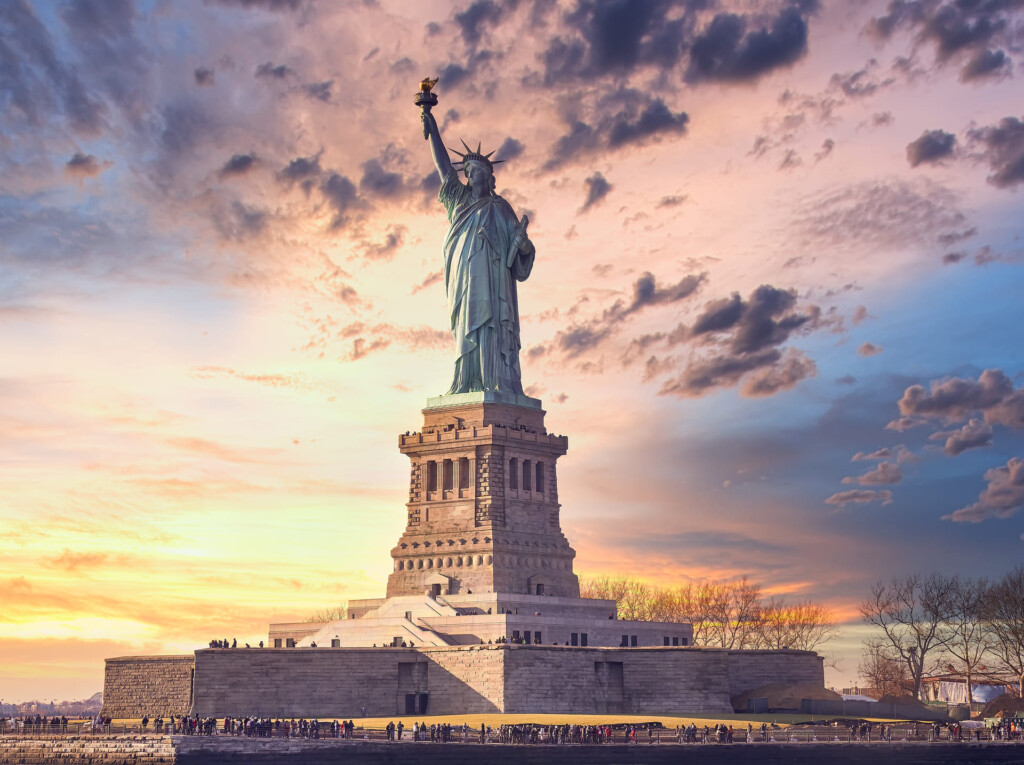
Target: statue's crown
[{"x": 475, "y": 156}]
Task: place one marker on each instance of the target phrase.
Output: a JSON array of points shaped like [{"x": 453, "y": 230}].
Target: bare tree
[
  {"x": 694, "y": 604},
  {"x": 634, "y": 598},
  {"x": 722, "y": 614},
  {"x": 333, "y": 614},
  {"x": 910, "y": 613},
  {"x": 963, "y": 633},
  {"x": 802, "y": 626},
  {"x": 1003, "y": 613},
  {"x": 883, "y": 672}
]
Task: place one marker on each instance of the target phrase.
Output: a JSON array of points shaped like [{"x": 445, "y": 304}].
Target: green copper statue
[{"x": 485, "y": 253}]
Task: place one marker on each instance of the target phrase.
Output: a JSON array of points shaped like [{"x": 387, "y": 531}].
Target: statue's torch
[{"x": 426, "y": 99}]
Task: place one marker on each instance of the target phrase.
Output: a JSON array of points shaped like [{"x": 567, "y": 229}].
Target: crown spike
[{"x": 474, "y": 156}]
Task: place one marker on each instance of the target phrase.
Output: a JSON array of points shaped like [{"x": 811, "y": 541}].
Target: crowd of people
[
  {"x": 1011, "y": 729},
  {"x": 233, "y": 644},
  {"x": 36, "y": 723}
]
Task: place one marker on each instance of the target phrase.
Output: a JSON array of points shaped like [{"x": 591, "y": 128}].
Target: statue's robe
[{"x": 480, "y": 274}]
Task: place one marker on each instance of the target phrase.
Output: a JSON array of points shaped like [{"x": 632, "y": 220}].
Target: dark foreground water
[{"x": 189, "y": 750}]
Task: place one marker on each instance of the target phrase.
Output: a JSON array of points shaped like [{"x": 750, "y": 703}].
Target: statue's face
[{"x": 478, "y": 177}]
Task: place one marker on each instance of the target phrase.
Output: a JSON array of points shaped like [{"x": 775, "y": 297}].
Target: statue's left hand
[{"x": 525, "y": 245}]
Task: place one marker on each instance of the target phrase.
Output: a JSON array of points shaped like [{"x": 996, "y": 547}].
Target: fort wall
[
  {"x": 342, "y": 682},
  {"x": 134, "y": 686},
  {"x": 749, "y": 669}
]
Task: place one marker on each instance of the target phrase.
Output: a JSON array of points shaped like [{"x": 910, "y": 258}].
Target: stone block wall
[
  {"x": 134, "y": 686},
  {"x": 86, "y": 750},
  {"x": 752, "y": 669},
  {"x": 509, "y": 678},
  {"x": 471, "y": 679},
  {"x": 562, "y": 680},
  {"x": 341, "y": 682}
]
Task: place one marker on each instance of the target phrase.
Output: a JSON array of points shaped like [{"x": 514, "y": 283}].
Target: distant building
[{"x": 952, "y": 688}]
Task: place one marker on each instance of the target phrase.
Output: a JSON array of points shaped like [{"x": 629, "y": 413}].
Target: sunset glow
[{"x": 776, "y": 305}]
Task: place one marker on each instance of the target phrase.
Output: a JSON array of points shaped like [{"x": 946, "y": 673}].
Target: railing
[{"x": 922, "y": 734}]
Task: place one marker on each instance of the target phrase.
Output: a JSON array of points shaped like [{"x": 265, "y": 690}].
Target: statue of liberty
[{"x": 485, "y": 253}]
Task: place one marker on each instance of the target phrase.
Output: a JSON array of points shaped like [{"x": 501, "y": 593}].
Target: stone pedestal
[{"x": 483, "y": 512}]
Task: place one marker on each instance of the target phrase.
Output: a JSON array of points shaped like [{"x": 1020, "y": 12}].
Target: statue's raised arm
[
  {"x": 486, "y": 252},
  {"x": 426, "y": 99}
]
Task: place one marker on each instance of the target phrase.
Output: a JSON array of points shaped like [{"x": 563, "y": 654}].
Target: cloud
[
  {"x": 1002, "y": 498},
  {"x": 718, "y": 371},
  {"x": 745, "y": 336},
  {"x": 239, "y": 164},
  {"x": 860, "y": 314},
  {"x": 932, "y": 147},
  {"x": 237, "y": 221},
  {"x": 319, "y": 91},
  {"x": 767, "y": 318},
  {"x": 386, "y": 250},
  {"x": 428, "y": 280},
  {"x": 986, "y": 63},
  {"x": 881, "y": 454},
  {"x": 862, "y": 82},
  {"x": 1002, "y": 146},
  {"x": 956, "y": 30},
  {"x": 340, "y": 193},
  {"x": 869, "y": 349},
  {"x": 900, "y": 453},
  {"x": 952, "y": 237},
  {"x": 83, "y": 166},
  {"x": 277, "y": 380},
  {"x": 597, "y": 189},
  {"x": 510, "y": 149},
  {"x": 973, "y": 435},
  {"x": 451, "y": 75},
  {"x": 673, "y": 200},
  {"x": 363, "y": 340},
  {"x": 75, "y": 561},
  {"x": 587, "y": 336},
  {"x": 622, "y": 117},
  {"x": 727, "y": 51},
  {"x": 790, "y": 160},
  {"x": 219, "y": 451},
  {"x": 103, "y": 35},
  {"x": 618, "y": 36},
  {"x": 263, "y": 5},
  {"x": 882, "y": 119},
  {"x": 885, "y": 214},
  {"x": 827, "y": 147},
  {"x": 380, "y": 183},
  {"x": 783, "y": 375},
  {"x": 269, "y": 71},
  {"x": 305, "y": 171},
  {"x": 860, "y": 497},
  {"x": 653, "y": 119},
  {"x": 846, "y": 380},
  {"x": 883, "y": 474},
  {"x": 203, "y": 76},
  {"x": 37, "y": 84},
  {"x": 953, "y": 399},
  {"x": 472, "y": 20},
  {"x": 905, "y": 423}
]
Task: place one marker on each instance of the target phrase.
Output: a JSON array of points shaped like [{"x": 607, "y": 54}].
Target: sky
[{"x": 776, "y": 305}]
